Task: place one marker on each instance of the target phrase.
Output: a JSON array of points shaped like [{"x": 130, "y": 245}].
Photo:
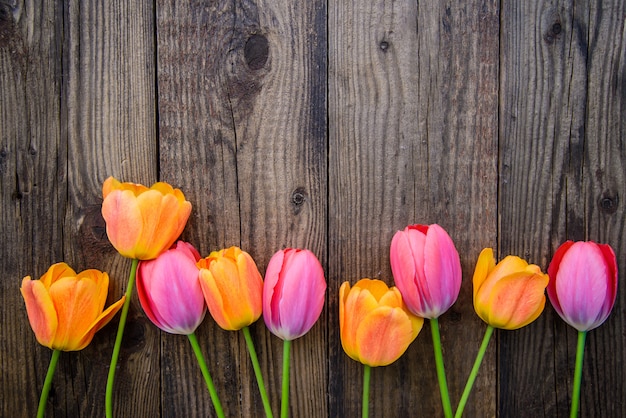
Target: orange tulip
[
  {"x": 232, "y": 287},
  {"x": 376, "y": 326},
  {"x": 143, "y": 222},
  {"x": 65, "y": 309},
  {"x": 510, "y": 294}
]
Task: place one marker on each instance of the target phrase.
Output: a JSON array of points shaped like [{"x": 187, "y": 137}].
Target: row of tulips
[{"x": 176, "y": 286}]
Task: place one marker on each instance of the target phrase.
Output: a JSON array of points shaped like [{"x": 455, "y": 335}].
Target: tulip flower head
[
  {"x": 293, "y": 293},
  {"x": 583, "y": 283},
  {"x": 169, "y": 290},
  {"x": 510, "y": 294},
  {"x": 65, "y": 309},
  {"x": 376, "y": 326},
  {"x": 143, "y": 222},
  {"x": 426, "y": 269},
  {"x": 232, "y": 287}
]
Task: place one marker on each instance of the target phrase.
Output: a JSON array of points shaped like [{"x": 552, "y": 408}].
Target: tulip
[
  {"x": 293, "y": 298},
  {"x": 233, "y": 290},
  {"x": 426, "y": 268},
  {"x": 582, "y": 290},
  {"x": 171, "y": 296},
  {"x": 65, "y": 309},
  {"x": 232, "y": 287},
  {"x": 583, "y": 283},
  {"x": 508, "y": 295},
  {"x": 293, "y": 293},
  {"x": 143, "y": 222},
  {"x": 169, "y": 290},
  {"x": 375, "y": 325}
]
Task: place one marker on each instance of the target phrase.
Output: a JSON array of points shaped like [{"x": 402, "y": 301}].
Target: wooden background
[{"x": 319, "y": 124}]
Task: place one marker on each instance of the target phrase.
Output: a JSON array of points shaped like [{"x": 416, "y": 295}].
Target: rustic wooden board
[
  {"x": 561, "y": 177},
  {"x": 327, "y": 125},
  {"x": 243, "y": 131},
  {"x": 413, "y": 139}
]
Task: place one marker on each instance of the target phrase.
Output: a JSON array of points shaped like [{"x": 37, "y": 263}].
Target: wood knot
[
  {"x": 608, "y": 202},
  {"x": 553, "y": 33},
  {"x": 256, "y": 51},
  {"x": 384, "y": 46},
  {"x": 298, "y": 198}
]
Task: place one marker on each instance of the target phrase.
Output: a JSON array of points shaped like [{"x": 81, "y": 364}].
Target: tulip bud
[
  {"x": 426, "y": 269},
  {"x": 169, "y": 290},
  {"x": 293, "y": 293},
  {"x": 583, "y": 283}
]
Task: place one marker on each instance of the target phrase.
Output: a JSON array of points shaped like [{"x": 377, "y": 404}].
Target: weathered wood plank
[
  {"x": 413, "y": 139},
  {"x": 562, "y": 172},
  {"x": 32, "y": 189},
  {"x": 242, "y": 132}
]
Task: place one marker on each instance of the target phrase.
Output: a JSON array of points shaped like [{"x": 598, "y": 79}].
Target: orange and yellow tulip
[
  {"x": 65, "y": 309},
  {"x": 376, "y": 326},
  {"x": 510, "y": 294},
  {"x": 232, "y": 288},
  {"x": 143, "y": 222}
]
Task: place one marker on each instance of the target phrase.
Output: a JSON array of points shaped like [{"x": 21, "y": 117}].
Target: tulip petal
[
  {"x": 40, "y": 309},
  {"x": 103, "y": 319},
  {"x": 553, "y": 269},
  {"x": 358, "y": 304},
  {"x": 442, "y": 269},
  {"x": 383, "y": 336},
  {"x": 405, "y": 247},
  {"x": 516, "y": 300},
  {"x": 123, "y": 221},
  {"x": 486, "y": 263}
]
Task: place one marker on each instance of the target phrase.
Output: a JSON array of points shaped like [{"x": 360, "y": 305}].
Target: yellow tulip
[
  {"x": 143, "y": 222},
  {"x": 510, "y": 294},
  {"x": 375, "y": 325},
  {"x": 65, "y": 309},
  {"x": 232, "y": 288}
]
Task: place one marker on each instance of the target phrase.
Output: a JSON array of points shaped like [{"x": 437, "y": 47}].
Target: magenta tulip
[
  {"x": 426, "y": 269},
  {"x": 583, "y": 283},
  {"x": 293, "y": 293},
  {"x": 169, "y": 290}
]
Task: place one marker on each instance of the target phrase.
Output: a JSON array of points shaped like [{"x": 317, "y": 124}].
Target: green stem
[
  {"x": 284, "y": 402},
  {"x": 578, "y": 373},
  {"x": 207, "y": 376},
  {"x": 257, "y": 372},
  {"x": 365, "y": 406},
  {"x": 47, "y": 383},
  {"x": 118, "y": 339},
  {"x": 441, "y": 373},
  {"x": 474, "y": 372}
]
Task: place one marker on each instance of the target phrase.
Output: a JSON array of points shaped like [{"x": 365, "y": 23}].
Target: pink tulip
[
  {"x": 426, "y": 269},
  {"x": 583, "y": 283},
  {"x": 169, "y": 290},
  {"x": 293, "y": 293}
]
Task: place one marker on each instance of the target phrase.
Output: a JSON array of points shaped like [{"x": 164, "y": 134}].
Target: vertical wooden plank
[
  {"x": 413, "y": 139},
  {"x": 108, "y": 118},
  {"x": 32, "y": 189},
  {"x": 562, "y": 159},
  {"x": 242, "y": 119}
]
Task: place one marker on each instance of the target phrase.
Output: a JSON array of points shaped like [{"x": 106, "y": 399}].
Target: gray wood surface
[{"x": 325, "y": 125}]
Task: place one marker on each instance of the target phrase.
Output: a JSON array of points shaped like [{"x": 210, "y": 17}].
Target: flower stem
[
  {"x": 578, "y": 373},
  {"x": 441, "y": 373},
  {"x": 118, "y": 339},
  {"x": 47, "y": 383},
  {"x": 365, "y": 406},
  {"x": 474, "y": 372},
  {"x": 257, "y": 372},
  {"x": 284, "y": 402},
  {"x": 207, "y": 376}
]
